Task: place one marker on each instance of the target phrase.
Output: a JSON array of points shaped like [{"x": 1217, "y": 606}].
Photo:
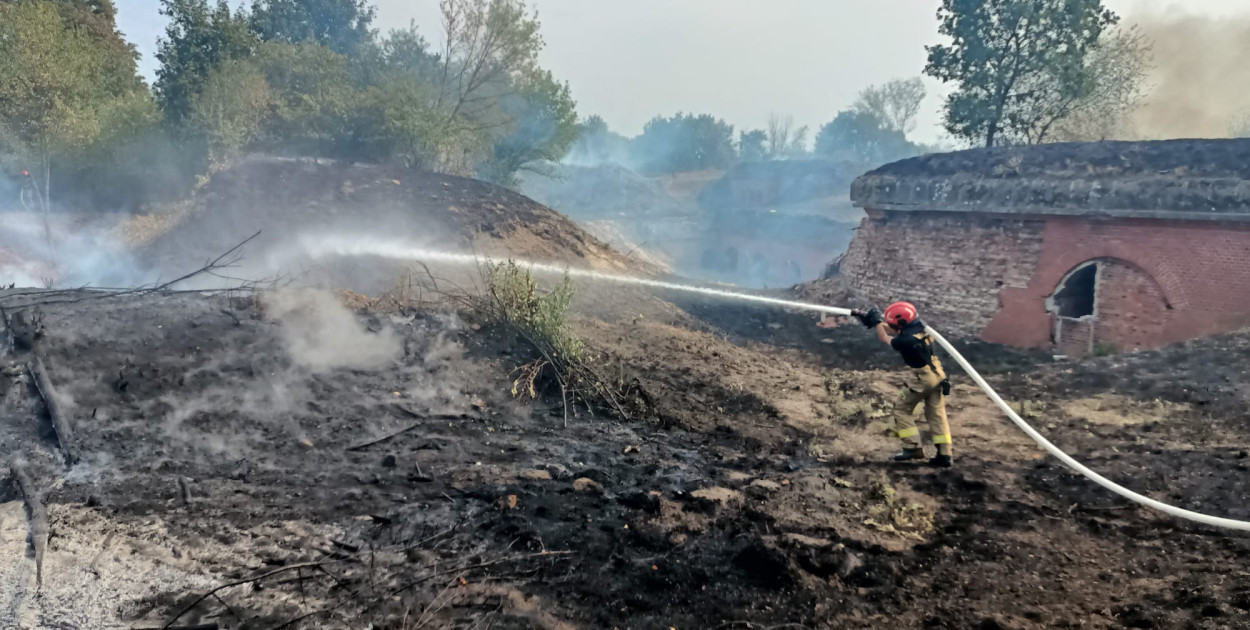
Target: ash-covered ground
[{"x": 376, "y": 469}]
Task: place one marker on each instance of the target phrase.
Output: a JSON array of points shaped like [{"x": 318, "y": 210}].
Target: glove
[{"x": 869, "y": 318}]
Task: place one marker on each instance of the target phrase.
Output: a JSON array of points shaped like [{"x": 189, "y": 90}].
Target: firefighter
[{"x": 900, "y": 327}]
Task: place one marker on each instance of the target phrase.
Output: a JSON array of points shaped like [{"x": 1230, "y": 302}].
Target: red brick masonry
[{"x": 1159, "y": 281}]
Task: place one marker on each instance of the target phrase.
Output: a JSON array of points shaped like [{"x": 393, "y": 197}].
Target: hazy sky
[{"x": 742, "y": 60}]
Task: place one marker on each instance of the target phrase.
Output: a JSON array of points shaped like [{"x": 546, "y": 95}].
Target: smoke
[
  {"x": 64, "y": 251},
  {"x": 1201, "y": 81},
  {"x": 322, "y": 335},
  {"x": 761, "y": 224},
  {"x": 8, "y": 193}
]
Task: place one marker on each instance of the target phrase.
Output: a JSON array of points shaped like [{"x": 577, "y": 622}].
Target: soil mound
[{"x": 287, "y": 199}]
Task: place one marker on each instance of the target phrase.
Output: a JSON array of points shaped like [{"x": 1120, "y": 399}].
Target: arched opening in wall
[
  {"x": 1107, "y": 305},
  {"x": 1077, "y": 295}
]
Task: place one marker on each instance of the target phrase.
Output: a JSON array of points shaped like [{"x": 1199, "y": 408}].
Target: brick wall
[
  {"x": 951, "y": 265},
  {"x": 1131, "y": 312},
  {"x": 1159, "y": 281}
]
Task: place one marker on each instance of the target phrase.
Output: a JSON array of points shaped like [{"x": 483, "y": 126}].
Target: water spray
[{"x": 346, "y": 246}]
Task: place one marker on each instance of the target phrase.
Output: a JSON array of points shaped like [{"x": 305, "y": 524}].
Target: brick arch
[
  {"x": 1022, "y": 319},
  {"x": 1055, "y": 269},
  {"x": 1110, "y": 259}
]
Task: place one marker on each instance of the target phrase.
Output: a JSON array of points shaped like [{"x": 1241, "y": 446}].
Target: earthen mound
[{"x": 286, "y": 199}]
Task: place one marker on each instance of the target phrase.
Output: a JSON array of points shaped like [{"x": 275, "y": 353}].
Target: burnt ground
[{"x": 753, "y": 494}]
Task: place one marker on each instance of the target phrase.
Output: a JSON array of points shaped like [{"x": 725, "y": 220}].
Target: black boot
[
  {"x": 941, "y": 461},
  {"x": 909, "y": 455}
]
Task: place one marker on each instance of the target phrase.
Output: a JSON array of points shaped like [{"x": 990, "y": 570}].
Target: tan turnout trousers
[{"x": 924, "y": 385}]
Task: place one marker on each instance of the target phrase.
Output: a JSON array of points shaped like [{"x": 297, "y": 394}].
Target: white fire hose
[
  {"x": 1197, "y": 517},
  {"x": 1072, "y": 463},
  {"x": 343, "y": 245}
]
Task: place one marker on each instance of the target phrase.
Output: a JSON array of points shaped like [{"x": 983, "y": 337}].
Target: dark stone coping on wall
[{"x": 1167, "y": 179}]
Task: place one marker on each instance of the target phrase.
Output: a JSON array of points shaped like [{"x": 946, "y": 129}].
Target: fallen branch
[
  {"x": 425, "y": 420},
  {"x": 60, "y": 424},
  {"x": 315, "y": 613},
  {"x": 750, "y": 626},
  {"x": 186, "y": 609},
  {"x": 482, "y": 565},
  {"x": 204, "y": 626},
  {"x": 38, "y": 517},
  {"x": 557, "y": 368},
  {"x": 230, "y": 258}
]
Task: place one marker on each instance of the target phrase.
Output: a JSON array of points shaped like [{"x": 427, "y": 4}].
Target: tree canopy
[
  {"x": 340, "y": 25},
  {"x": 863, "y": 136},
  {"x": 684, "y": 142},
  {"x": 69, "y": 91},
  {"x": 198, "y": 38},
  {"x": 289, "y": 77},
  {"x": 895, "y": 104},
  {"x": 1013, "y": 61}
]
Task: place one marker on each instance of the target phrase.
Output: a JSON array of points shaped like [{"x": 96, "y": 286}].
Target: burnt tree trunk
[{"x": 60, "y": 423}]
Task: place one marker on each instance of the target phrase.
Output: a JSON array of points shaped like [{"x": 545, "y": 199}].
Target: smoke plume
[
  {"x": 1201, "y": 81},
  {"x": 321, "y": 334}
]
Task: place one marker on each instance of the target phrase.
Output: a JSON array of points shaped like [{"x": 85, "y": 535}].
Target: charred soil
[{"x": 377, "y": 468}]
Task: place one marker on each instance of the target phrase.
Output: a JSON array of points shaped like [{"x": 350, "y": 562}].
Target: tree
[
  {"x": 197, "y": 39},
  {"x": 132, "y": 161},
  {"x": 1007, "y": 59},
  {"x": 1239, "y": 126},
  {"x": 405, "y": 52},
  {"x": 751, "y": 145},
  {"x": 340, "y": 25},
  {"x": 684, "y": 142},
  {"x": 544, "y": 126},
  {"x": 780, "y": 130},
  {"x": 396, "y": 121},
  {"x": 491, "y": 47},
  {"x": 1117, "y": 69},
  {"x": 863, "y": 137},
  {"x": 231, "y": 108},
  {"x": 98, "y": 19},
  {"x": 596, "y": 143},
  {"x": 895, "y": 104},
  {"x": 312, "y": 95},
  {"x": 57, "y": 86},
  {"x": 783, "y": 140},
  {"x": 397, "y": 118}
]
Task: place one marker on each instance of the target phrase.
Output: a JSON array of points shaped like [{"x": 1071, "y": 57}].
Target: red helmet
[{"x": 900, "y": 314}]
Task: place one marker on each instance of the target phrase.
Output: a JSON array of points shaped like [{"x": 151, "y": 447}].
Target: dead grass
[{"x": 888, "y": 512}]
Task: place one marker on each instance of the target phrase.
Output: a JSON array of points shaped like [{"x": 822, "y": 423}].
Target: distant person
[{"x": 900, "y": 327}]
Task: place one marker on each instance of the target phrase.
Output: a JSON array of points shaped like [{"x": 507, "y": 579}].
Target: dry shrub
[{"x": 541, "y": 319}]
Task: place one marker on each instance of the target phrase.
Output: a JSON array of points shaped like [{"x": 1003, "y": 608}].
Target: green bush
[{"x": 515, "y": 299}]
